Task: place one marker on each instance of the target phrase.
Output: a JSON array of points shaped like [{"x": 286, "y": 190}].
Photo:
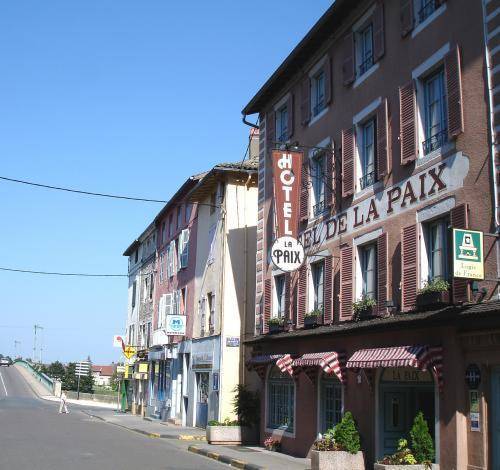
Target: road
[{"x": 34, "y": 436}]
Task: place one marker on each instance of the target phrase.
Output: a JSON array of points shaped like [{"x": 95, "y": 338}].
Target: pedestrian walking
[{"x": 62, "y": 405}]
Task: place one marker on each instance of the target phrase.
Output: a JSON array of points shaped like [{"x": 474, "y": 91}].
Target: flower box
[
  {"x": 311, "y": 321},
  {"x": 336, "y": 460},
  {"x": 426, "y": 300},
  {"x": 381, "y": 466},
  {"x": 275, "y": 328},
  {"x": 231, "y": 435},
  {"x": 367, "y": 312}
]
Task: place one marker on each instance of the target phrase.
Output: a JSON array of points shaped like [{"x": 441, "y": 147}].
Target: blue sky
[{"x": 125, "y": 97}]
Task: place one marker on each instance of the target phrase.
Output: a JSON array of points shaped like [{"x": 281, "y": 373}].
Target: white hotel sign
[{"x": 432, "y": 182}]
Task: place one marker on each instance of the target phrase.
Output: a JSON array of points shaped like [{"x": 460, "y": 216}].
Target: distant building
[{"x": 102, "y": 375}]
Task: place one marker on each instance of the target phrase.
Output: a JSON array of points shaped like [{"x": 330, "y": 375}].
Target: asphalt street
[{"x": 34, "y": 436}]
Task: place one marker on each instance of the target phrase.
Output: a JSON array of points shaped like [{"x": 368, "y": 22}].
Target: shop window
[
  {"x": 279, "y": 303},
  {"x": 331, "y": 402},
  {"x": 282, "y": 124},
  {"x": 436, "y": 249},
  {"x": 433, "y": 112},
  {"x": 318, "y": 180},
  {"x": 280, "y": 401},
  {"x": 368, "y": 263}
]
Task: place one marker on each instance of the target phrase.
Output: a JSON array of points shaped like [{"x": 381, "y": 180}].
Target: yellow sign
[
  {"x": 126, "y": 374},
  {"x": 157, "y": 368},
  {"x": 143, "y": 367},
  {"x": 468, "y": 261},
  {"x": 129, "y": 351}
]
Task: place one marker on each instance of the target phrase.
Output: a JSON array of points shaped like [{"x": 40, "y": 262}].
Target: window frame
[
  {"x": 318, "y": 92},
  {"x": 363, "y": 39},
  {"x": 281, "y": 123},
  {"x": 274, "y": 385},
  {"x": 442, "y": 224},
  {"x": 332, "y": 381},
  {"x": 364, "y": 258},
  {"x": 366, "y": 179},
  {"x": 318, "y": 183},
  {"x": 279, "y": 304}
]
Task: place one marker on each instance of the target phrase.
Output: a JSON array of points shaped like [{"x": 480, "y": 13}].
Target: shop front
[{"x": 159, "y": 384}]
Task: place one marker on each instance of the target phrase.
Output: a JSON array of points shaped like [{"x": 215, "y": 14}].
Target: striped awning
[
  {"x": 264, "y": 359},
  {"x": 422, "y": 357},
  {"x": 331, "y": 362},
  {"x": 259, "y": 363}
]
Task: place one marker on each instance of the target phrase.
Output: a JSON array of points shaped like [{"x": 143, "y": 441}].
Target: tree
[
  {"x": 69, "y": 381},
  {"x": 87, "y": 383},
  {"x": 114, "y": 381},
  {"x": 56, "y": 370},
  {"x": 421, "y": 441},
  {"x": 346, "y": 435}
]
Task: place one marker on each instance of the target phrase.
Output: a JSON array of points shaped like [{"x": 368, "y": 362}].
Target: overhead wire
[{"x": 52, "y": 273}]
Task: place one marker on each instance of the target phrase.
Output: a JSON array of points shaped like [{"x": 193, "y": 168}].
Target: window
[
  {"x": 136, "y": 256},
  {"x": 134, "y": 288},
  {"x": 331, "y": 402},
  {"x": 203, "y": 320},
  {"x": 436, "y": 240},
  {"x": 151, "y": 286},
  {"x": 171, "y": 259},
  {"x": 213, "y": 202},
  {"x": 368, "y": 262},
  {"x": 318, "y": 179},
  {"x": 424, "y": 9},
  {"x": 163, "y": 233},
  {"x": 184, "y": 249},
  {"x": 317, "y": 272},
  {"x": 161, "y": 266},
  {"x": 279, "y": 284},
  {"x": 367, "y": 151},
  {"x": 434, "y": 115},
  {"x": 171, "y": 225},
  {"x": 189, "y": 208},
  {"x": 281, "y": 401},
  {"x": 364, "y": 49},
  {"x": 179, "y": 217},
  {"x": 282, "y": 124},
  {"x": 183, "y": 300},
  {"x": 145, "y": 291},
  {"x": 318, "y": 101},
  {"x": 211, "y": 309},
  {"x": 148, "y": 335}
]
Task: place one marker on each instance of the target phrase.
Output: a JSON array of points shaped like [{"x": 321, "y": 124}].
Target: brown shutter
[
  {"x": 382, "y": 273},
  {"x": 267, "y": 305},
  {"x": 328, "y": 80},
  {"x": 378, "y": 32},
  {"x": 454, "y": 92},
  {"x": 288, "y": 293},
  {"x": 346, "y": 291},
  {"x": 302, "y": 296},
  {"x": 328, "y": 301},
  {"x": 304, "y": 191},
  {"x": 347, "y": 162},
  {"x": 348, "y": 72},
  {"x": 270, "y": 130},
  {"x": 459, "y": 218},
  {"x": 409, "y": 267},
  {"x": 406, "y": 16},
  {"x": 407, "y": 123},
  {"x": 305, "y": 103},
  {"x": 382, "y": 140},
  {"x": 291, "y": 121}
]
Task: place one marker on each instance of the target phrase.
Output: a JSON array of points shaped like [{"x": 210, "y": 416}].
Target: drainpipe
[
  {"x": 489, "y": 76},
  {"x": 221, "y": 293},
  {"x": 244, "y": 119}
]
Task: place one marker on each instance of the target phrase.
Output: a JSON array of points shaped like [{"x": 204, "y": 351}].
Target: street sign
[
  {"x": 176, "y": 325},
  {"x": 287, "y": 254},
  {"x": 82, "y": 368},
  {"x": 129, "y": 351},
  {"x": 468, "y": 260},
  {"x": 120, "y": 369}
]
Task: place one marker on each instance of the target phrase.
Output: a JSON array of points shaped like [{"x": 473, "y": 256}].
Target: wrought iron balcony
[
  {"x": 319, "y": 208},
  {"x": 367, "y": 180},
  {"x": 283, "y": 137},
  {"x": 427, "y": 9},
  {"x": 436, "y": 141}
]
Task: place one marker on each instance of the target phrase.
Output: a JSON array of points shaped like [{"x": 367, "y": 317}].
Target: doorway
[
  {"x": 202, "y": 380},
  {"x": 495, "y": 425}
]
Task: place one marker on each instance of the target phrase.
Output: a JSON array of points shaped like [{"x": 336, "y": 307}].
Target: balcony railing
[
  {"x": 367, "y": 180},
  {"x": 283, "y": 137},
  {"x": 427, "y": 9},
  {"x": 434, "y": 142},
  {"x": 319, "y": 208},
  {"x": 366, "y": 64}
]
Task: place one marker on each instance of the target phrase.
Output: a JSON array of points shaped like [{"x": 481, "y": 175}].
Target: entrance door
[
  {"x": 495, "y": 425},
  {"x": 202, "y": 399},
  {"x": 395, "y": 418},
  {"x": 330, "y": 402}
]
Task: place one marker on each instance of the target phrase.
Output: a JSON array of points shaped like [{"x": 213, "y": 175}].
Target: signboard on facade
[
  {"x": 232, "y": 341},
  {"x": 120, "y": 369},
  {"x": 118, "y": 341},
  {"x": 176, "y": 325},
  {"x": 287, "y": 176},
  {"x": 202, "y": 360},
  {"x": 143, "y": 367},
  {"x": 468, "y": 260},
  {"x": 287, "y": 254}
]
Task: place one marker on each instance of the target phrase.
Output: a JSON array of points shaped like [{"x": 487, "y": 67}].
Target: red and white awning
[
  {"x": 331, "y": 362},
  {"x": 259, "y": 363},
  {"x": 422, "y": 357}
]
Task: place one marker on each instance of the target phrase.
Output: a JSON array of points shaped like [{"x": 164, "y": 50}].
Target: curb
[{"x": 236, "y": 463}]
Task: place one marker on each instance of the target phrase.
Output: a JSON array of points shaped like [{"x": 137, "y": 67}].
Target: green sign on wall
[{"x": 468, "y": 260}]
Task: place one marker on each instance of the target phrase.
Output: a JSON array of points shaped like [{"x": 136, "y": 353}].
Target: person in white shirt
[{"x": 63, "y": 403}]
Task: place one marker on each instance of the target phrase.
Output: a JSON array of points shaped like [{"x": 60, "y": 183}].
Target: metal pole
[
  {"x": 34, "y": 347},
  {"x": 78, "y": 388}
]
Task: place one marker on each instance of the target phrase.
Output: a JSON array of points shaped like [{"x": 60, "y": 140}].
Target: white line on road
[{"x": 3, "y": 383}]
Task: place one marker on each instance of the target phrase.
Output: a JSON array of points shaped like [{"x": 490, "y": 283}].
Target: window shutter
[
  {"x": 328, "y": 301},
  {"x": 267, "y": 305},
  {"x": 305, "y": 103},
  {"x": 287, "y": 297},
  {"x": 406, "y": 16},
  {"x": 178, "y": 296},
  {"x": 270, "y": 130},
  {"x": 184, "y": 251},
  {"x": 161, "y": 311},
  {"x": 409, "y": 267},
  {"x": 302, "y": 296},
  {"x": 346, "y": 279},
  {"x": 168, "y": 304},
  {"x": 382, "y": 140},
  {"x": 382, "y": 268},
  {"x": 460, "y": 287},
  {"x": 454, "y": 92},
  {"x": 304, "y": 191},
  {"x": 328, "y": 80},
  {"x": 181, "y": 249},
  {"x": 407, "y": 123},
  {"x": 291, "y": 121},
  {"x": 378, "y": 32},
  {"x": 347, "y": 162},
  {"x": 348, "y": 72}
]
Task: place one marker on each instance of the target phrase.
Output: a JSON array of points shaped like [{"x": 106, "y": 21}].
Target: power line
[
  {"x": 49, "y": 273},
  {"x": 88, "y": 193}
]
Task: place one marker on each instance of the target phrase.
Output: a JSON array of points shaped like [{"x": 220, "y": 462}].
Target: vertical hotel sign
[{"x": 287, "y": 174}]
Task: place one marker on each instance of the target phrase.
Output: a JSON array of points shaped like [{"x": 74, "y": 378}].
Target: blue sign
[
  {"x": 215, "y": 381},
  {"x": 176, "y": 325},
  {"x": 232, "y": 341}
]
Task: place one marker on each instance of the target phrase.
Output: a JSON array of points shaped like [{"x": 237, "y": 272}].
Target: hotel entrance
[{"x": 403, "y": 392}]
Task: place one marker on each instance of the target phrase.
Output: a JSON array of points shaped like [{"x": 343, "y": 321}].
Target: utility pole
[
  {"x": 16, "y": 343},
  {"x": 36, "y": 327}
]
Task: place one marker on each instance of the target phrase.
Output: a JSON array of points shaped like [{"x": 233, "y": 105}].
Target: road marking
[{"x": 3, "y": 383}]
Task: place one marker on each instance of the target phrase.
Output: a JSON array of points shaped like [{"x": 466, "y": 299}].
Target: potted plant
[
  {"x": 339, "y": 448},
  {"x": 364, "y": 307},
  {"x": 275, "y": 325},
  {"x": 272, "y": 444},
  {"x": 435, "y": 293},
  {"x": 245, "y": 428},
  {"x": 313, "y": 318},
  {"x": 418, "y": 457}
]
